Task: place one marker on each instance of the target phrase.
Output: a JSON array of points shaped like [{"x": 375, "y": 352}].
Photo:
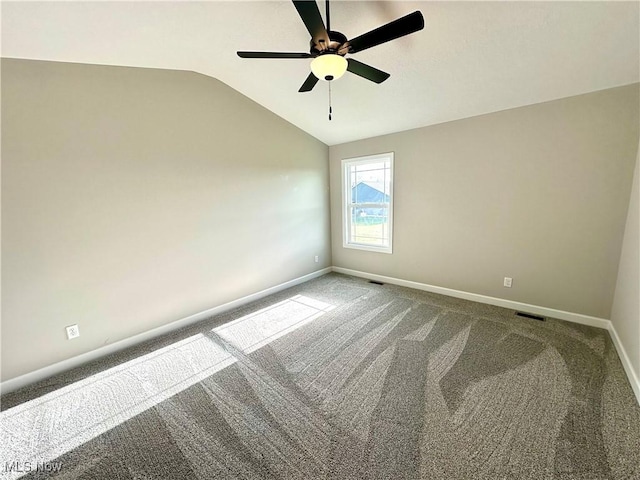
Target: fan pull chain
[{"x": 330, "y": 111}]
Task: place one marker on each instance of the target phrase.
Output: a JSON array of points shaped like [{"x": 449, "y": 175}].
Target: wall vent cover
[{"x": 531, "y": 316}]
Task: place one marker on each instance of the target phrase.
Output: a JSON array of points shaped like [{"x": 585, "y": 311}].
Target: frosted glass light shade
[{"x": 329, "y": 66}]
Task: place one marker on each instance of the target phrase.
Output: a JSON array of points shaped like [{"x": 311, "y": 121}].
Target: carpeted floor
[{"x": 338, "y": 378}]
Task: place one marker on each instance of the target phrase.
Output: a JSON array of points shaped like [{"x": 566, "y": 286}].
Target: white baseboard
[
  {"x": 475, "y": 297},
  {"x": 41, "y": 374},
  {"x": 64, "y": 365},
  {"x": 626, "y": 363}
]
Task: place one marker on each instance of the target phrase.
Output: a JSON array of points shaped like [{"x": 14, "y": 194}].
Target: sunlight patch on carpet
[
  {"x": 253, "y": 331},
  {"x": 45, "y": 428}
]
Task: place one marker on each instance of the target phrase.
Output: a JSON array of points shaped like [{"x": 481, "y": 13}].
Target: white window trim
[{"x": 346, "y": 194}]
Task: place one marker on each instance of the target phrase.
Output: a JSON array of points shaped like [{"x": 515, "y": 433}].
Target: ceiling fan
[{"x": 329, "y": 47}]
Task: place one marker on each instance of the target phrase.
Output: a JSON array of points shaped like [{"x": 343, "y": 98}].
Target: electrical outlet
[
  {"x": 316, "y": 259},
  {"x": 508, "y": 281},
  {"x": 72, "y": 332}
]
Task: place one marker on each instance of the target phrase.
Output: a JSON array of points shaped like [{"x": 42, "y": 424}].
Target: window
[{"x": 367, "y": 201}]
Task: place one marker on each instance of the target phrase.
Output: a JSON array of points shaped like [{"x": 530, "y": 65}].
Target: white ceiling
[{"x": 472, "y": 57}]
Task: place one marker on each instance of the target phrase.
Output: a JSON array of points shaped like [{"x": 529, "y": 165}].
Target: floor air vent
[
  {"x": 530, "y": 315},
  {"x": 375, "y": 282}
]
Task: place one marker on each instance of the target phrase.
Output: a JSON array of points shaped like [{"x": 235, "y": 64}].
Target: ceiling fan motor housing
[{"x": 336, "y": 40}]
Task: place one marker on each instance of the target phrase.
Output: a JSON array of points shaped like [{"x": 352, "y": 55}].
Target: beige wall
[
  {"x": 135, "y": 197},
  {"x": 537, "y": 193},
  {"x": 625, "y": 314}
]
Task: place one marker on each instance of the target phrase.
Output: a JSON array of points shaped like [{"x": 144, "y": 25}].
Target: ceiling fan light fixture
[{"x": 329, "y": 66}]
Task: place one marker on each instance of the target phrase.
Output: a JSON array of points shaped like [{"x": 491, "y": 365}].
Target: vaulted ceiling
[{"x": 472, "y": 58}]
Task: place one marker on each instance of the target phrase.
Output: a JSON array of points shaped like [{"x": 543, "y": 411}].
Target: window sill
[{"x": 368, "y": 248}]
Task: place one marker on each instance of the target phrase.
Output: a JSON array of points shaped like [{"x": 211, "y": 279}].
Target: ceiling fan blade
[
  {"x": 309, "y": 83},
  {"x": 273, "y": 55},
  {"x": 310, "y": 15},
  {"x": 366, "y": 71},
  {"x": 396, "y": 29}
]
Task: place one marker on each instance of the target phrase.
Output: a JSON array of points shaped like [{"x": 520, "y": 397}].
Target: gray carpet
[{"x": 339, "y": 379}]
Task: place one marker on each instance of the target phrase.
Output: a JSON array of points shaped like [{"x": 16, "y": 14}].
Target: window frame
[{"x": 347, "y": 205}]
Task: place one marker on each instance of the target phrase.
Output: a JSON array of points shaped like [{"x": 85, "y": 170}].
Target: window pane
[
  {"x": 371, "y": 186},
  {"x": 370, "y": 226}
]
